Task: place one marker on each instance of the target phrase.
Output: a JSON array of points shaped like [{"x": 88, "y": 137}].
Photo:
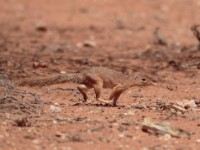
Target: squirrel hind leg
[{"x": 83, "y": 89}]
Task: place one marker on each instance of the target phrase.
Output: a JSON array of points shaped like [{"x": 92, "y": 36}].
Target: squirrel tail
[{"x": 69, "y": 77}]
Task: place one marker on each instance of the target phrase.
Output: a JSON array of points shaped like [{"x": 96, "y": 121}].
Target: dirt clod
[{"x": 22, "y": 121}]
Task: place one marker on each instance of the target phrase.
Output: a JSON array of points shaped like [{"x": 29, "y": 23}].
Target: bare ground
[{"x": 39, "y": 38}]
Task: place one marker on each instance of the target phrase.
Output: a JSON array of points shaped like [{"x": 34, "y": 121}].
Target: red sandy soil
[{"x": 47, "y": 37}]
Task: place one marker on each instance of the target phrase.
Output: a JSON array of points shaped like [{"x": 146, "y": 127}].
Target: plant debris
[
  {"x": 162, "y": 128},
  {"x": 159, "y": 39}
]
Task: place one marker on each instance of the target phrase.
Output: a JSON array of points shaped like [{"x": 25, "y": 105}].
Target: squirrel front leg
[
  {"x": 97, "y": 84},
  {"x": 116, "y": 92},
  {"x": 97, "y": 89}
]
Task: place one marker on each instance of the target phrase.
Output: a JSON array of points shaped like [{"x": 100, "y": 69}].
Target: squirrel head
[{"x": 143, "y": 80}]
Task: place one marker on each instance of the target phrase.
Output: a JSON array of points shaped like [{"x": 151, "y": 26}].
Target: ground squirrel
[{"x": 96, "y": 78}]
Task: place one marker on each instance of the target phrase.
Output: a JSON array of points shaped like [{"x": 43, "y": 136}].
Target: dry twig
[{"x": 196, "y": 31}]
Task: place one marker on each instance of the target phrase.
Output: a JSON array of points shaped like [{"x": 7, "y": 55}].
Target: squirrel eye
[{"x": 143, "y": 79}]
